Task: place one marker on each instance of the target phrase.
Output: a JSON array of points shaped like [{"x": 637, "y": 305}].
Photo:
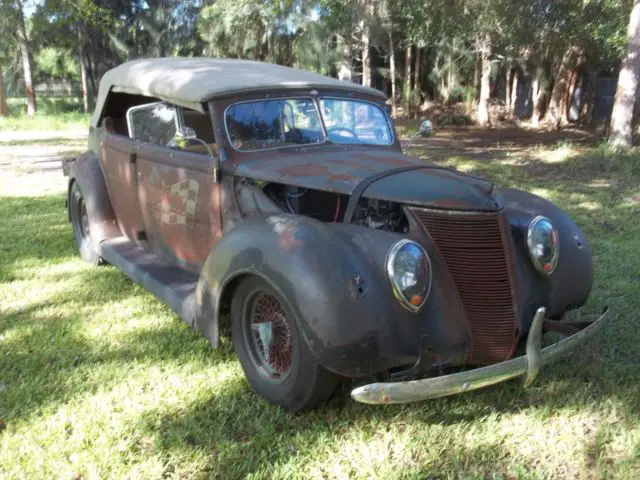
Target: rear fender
[{"x": 86, "y": 171}]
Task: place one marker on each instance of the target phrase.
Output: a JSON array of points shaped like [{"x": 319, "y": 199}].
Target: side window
[{"x": 153, "y": 123}]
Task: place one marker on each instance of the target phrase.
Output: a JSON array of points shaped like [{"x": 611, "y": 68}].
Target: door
[
  {"x": 117, "y": 156},
  {"x": 179, "y": 202}
]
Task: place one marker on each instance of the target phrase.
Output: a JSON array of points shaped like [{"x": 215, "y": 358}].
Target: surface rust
[
  {"x": 165, "y": 197},
  {"x": 473, "y": 313},
  {"x": 341, "y": 170},
  {"x": 476, "y": 251}
]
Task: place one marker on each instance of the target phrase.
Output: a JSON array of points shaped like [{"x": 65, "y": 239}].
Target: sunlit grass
[
  {"x": 98, "y": 379},
  {"x": 45, "y": 121}
]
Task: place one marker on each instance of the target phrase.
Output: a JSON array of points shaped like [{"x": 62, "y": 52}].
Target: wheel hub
[
  {"x": 84, "y": 219},
  {"x": 271, "y": 337},
  {"x": 265, "y": 335}
]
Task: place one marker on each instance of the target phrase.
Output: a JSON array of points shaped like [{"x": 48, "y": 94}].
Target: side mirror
[
  {"x": 426, "y": 128},
  {"x": 186, "y": 133}
]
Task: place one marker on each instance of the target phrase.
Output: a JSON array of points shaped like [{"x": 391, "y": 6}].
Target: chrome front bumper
[{"x": 528, "y": 365}]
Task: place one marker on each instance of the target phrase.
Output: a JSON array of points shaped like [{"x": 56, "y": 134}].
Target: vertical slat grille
[{"x": 476, "y": 248}]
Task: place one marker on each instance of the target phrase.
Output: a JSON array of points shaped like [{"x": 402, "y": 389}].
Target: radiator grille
[{"x": 477, "y": 251}]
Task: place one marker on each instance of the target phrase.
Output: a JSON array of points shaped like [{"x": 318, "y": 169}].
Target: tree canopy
[{"x": 417, "y": 50}]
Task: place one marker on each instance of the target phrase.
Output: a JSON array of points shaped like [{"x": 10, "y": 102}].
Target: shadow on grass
[
  {"x": 45, "y": 356},
  {"x": 241, "y": 435},
  {"x": 48, "y": 359},
  {"x": 33, "y": 229}
]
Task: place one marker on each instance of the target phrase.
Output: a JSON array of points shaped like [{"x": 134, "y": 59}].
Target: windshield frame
[
  {"x": 270, "y": 99},
  {"x": 315, "y": 98}
]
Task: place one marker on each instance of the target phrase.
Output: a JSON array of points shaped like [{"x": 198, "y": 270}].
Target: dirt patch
[
  {"x": 31, "y": 162},
  {"x": 38, "y": 151},
  {"x": 477, "y": 143}
]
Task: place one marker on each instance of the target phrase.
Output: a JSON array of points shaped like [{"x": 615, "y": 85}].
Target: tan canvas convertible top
[{"x": 189, "y": 82}]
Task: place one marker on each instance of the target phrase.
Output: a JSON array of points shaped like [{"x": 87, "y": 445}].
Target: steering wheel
[{"x": 343, "y": 129}]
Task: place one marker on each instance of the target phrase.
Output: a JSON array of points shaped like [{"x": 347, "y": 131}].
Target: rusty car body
[{"x": 280, "y": 201}]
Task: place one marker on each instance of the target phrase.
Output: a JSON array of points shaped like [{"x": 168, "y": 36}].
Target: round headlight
[
  {"x": 409, "y": 270},
  {"x": 542, "y": 240}
]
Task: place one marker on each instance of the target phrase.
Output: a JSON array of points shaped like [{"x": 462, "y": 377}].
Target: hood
[{"x": 341, "y": 171}]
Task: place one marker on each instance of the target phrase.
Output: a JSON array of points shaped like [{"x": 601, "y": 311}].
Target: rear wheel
[
  {"x": 275, "y": 358},
  {"x": 81, "y": 225}
]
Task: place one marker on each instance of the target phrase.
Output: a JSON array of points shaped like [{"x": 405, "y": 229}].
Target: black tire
[
  {"x": 289, "y": 377},
  {"x": 80, "y": 223}
]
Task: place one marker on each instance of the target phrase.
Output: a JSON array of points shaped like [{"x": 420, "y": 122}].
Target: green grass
[
  {"x": 52, "y": 114},
  {"x": 98, "y": 379},
  {"x": 45, "y": 121}
]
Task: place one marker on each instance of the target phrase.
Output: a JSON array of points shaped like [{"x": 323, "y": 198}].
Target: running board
[{"x": 173, "y": 285}]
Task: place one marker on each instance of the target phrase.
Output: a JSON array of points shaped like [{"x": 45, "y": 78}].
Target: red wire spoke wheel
[
  {"x": 272, "y": 345},
  {"x": 275, "y": 358}
]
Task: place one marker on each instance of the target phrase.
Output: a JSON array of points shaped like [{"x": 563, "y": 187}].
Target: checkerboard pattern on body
[{"x": 187, "y": 190}]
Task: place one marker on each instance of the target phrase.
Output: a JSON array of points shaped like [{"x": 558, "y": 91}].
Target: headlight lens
[
  {"x": 542, "y": 240},
  {"x": 409, "y": 270}
]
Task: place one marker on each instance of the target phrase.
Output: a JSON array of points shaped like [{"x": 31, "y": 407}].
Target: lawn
[
  {"x": 59, "y": 121},
  {"x": 98, "y": 379},
  {"x": 52, "y": 114}
]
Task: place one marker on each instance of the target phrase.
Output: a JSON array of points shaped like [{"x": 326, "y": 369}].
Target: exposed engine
[
  {"x": 323, "y": 206},
  {"x": 330, "y": 207},
  {"x": 381, "y": 215}
]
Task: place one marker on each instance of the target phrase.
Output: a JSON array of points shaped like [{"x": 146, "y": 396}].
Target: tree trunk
[
  {"x": 507, "y": 85},
  {"x": 92, "y": 76},
  {"x": 392, "y": 72},
  {"x": 540, "y": 93},
  {"x": 4, "y": 109},
  {"x": 438, "y": 65},
  {"x": 485, "y": 81},
  {"x": 576, "y": 76},
  {"x": 85, "y": 84},
  {"x": 259, "y": 34},
  {"x": 417, "y": 83},
  {"x": 621, "y": 130},
  {"x": 477, "y": 64},
  {"x": 366, "y": 57},
  {"x": 590, "y": 96},
  {"x": 407, "y": 80},
  {"x": 558, "y": 108},
  {"x": 514, "y": 90},
  {"x": 345, "y": 65},
  {"x": 365, "y": 29},
  {"x": 23, "y": 43},
  {"x": 83, "y": 70},
  {"x": 535, "y": 92}
]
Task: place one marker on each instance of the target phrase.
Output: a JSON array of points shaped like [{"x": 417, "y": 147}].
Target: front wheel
[
  {"x": 274, "y": 356},
  {"x": 81, "y": 225}
]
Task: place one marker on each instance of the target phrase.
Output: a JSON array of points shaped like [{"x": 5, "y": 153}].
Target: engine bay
[{"x": 330, "y": 207}]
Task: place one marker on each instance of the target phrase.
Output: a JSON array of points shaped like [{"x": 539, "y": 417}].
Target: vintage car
[{"x": 279, "y": 202}]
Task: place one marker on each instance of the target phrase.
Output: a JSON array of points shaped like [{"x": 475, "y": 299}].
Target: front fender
[
  {"x": 87, "y": 172},
  {"x": 333, "y": 277},
  {"x": 569, "y": 285}
]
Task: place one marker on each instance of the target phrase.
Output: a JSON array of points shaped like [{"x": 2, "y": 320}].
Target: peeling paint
[{"x": 286, "y": 228}]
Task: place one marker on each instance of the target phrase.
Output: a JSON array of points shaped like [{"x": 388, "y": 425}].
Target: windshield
[
  {"x": 266, "y": 124},
  {"x": 351, "y": 121},
  {"x": 273, "y": 123}
]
